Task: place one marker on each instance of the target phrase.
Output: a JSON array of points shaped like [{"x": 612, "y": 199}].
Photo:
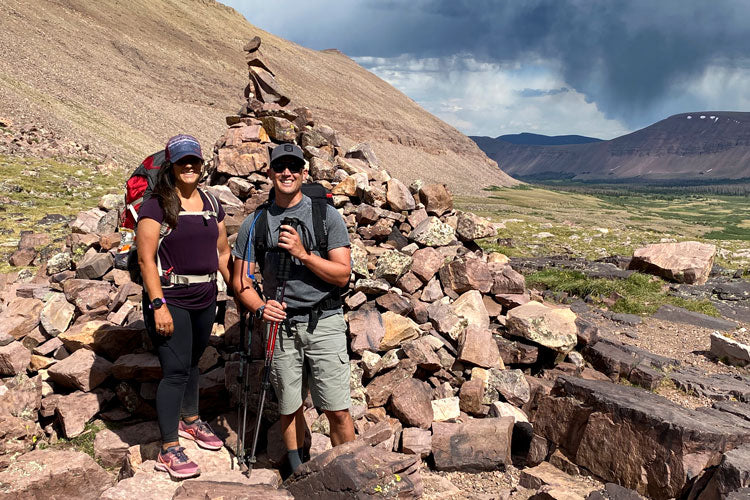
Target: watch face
[{"x": 157, "y": 303}]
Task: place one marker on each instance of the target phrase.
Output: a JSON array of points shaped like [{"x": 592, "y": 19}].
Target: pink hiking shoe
[
  {"x": 176, "y": 463},
  {"x": 200, "y": 432}
]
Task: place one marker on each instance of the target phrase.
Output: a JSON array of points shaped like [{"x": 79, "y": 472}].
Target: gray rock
[{"x": 680, "y": 315}]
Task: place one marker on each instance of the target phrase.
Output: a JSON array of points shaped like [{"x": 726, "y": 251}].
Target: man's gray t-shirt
[{"x": 304, "y": 289}]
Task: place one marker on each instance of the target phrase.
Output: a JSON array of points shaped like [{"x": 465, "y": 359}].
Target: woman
[{"x": 179, "y": 304}]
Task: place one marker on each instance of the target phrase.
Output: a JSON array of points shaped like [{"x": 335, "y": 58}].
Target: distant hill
[
  {"x": 124, "y": 76},
  {"x": 538, "y": 139},
  {"x": 701, "y": 146}
]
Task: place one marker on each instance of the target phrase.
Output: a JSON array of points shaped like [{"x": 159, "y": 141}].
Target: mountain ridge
[
  {"x": 125, "y": 77},
  {"x": 703, "y": 145}
]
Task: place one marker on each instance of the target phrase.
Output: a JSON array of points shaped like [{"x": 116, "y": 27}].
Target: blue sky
[{"x": 490, "y": 67}]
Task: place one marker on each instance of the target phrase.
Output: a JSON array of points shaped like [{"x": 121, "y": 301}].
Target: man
[{"x": 311, "y": 348}]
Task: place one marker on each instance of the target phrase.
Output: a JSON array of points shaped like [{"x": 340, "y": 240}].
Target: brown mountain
[
  {"x": 124, "y": 76},
  {"x": 706, "y": 145}
]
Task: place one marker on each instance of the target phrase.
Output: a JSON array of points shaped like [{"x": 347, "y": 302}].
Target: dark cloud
[
  {"x": 623, "y": 55},
  {"x": 542, "y": 92}
]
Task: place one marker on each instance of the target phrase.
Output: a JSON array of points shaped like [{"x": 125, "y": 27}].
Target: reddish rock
[
  {"x": 420, "y": 351},
  {"x": 141, "y": 367},
  {"x": 470, "y": 227},
  {"x": 20, "y": 317},
  {"x": 367, "y": 214},
  {"x": 111, "y": 445},
  {"x": 87, "y": 295},
  {"x": 59, "y": 473},
  {"x": 415, "y": 441},
  {"x": 445, "y": 320},
  {"x": 378, "y": 231},
  {"x": 104, "y": 338},
  {"x": 360, "y": 471},
  {"x": 395, "y": 303},
  {"x": 91, "y": 221},
  {"x": 432, "y": 291},
  {"x": 367, "y": 330},
  {"x": 21, "y": 396},
  {"x": 33, "y": 240},
  {"x": 476, "y": 445},
  {"x": 398, "y": 196},
  {"x": 82, "y": 370},
  {"x": 462, "y": 275},
  {"x": 14, "y": 359},
  {"x": 411, "y": 403},
  {"x": 477, "y": 347},
  {"x": 398, "y": 329},
  {"x": 279, "y": 129},
  {"x": 356, "y": 300},
  {"x": 685, "y": 262},
  {"x": 110, "y": 240},
  {"x": 22, "y": 257},
  {"x": 506, "y": 280},
  {"x": 221, "y": 490},
  {"x": 76, "y": 409},
  {"x": 242, "y": 160},
  {"x": 56, "y": 314},
  {"x": 427, "y": 261},
  {"x": 513, "y": 352},
  {"x": 471, "y": 396},
  {"x": 380, "y": 389},
  {"x": 94, "y": 265},
  {"x": 17, "y": 436},
  {"x": 436, "y": 199}
]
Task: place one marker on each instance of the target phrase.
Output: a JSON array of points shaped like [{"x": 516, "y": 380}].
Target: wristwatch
[
  {"x": 157, "y": 303},
  {"x": 259, "y": 312}
]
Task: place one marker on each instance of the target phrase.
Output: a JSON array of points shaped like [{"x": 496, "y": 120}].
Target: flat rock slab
[
  {"x": 111, "y": 445},
  {"x": 54, "y": 474},
  {"x": 732, "y": 474},
  {"x": 729, "y": 350},
  {"x": 221, "y": 490},
  {"x": 634, "y": 437},
  {"x": 684, "y": 262},
  {"x": 717, "y": 386},
  {"x": 555, "y": 480},
  {"x": 679, "y": 315},
  {"x": 357, "y": 470}
]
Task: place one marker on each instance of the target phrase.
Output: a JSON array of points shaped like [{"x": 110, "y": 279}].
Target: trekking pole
[
  {"x": 285, "y": 264},
  {"x": 241, "y": 393}
]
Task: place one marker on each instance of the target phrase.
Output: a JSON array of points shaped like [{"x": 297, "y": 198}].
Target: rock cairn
[{"x": 454, "y": 361}]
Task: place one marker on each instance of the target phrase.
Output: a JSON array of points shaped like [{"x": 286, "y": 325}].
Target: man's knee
[{"x": 338, "y": 417}]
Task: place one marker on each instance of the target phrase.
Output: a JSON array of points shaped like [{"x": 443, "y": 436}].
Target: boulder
[
  {"x": 422, "y": 353},
  {"x": 552, "y": 327},
  {"x": 111, "y": 445},
  {"x": 510, "y": 384},
  {"x": 444, "y": 320},
  {"x": 446, "y": 409},
  {"x": 22, "y": 257},
  {"x": 357, "y": 470},
  {"x": 729, "y": 350},
  {"x": 279, "y": 129},
  {"x": 104, "y": 338},
  {"x": 477, "y": 347},
  {"x": 395, "y": 303},
  {"x": 398, "y": 196},
  {"x": 76, "y": 409},
  {"x": 17, "y": 436},
  {"x": 224, "y": 195},
  {"x": 87, "y": 295},
  {"x": 82, "y": 370},
  {"x": 415, "y": 441},
  {"x": 472, "y": 446},
  {"x": 92, "y": 221},
  {"x": 554, "y": 483},
  {"x": 94, "y": 265},
  {"x": 242, "y": 160},
  {"x": 364, "y": 152},
  {"x": 367, "y": 330},
  {"x": 21, "y": 396},
  {"x": 20, "y": 316},
  {"x": 380, "y": 389},
  {"x": 471, "y": 396},
  {"x": 57, "y": 314},
  {"x": 470, "y": 227},
  {"x": 433, "y": 233},
  {"x": 634, "y": 437},
  {"x": 14, "y": 359},
  {"x": 462, "y": 275},
  {"x": 676, "y": 314},
  {"x": 398, "y": 329},
  {"x": 411, "y": 403},
  {"x": 732, "y": 474},
  {"x": 432, "y": 291},
  {"x": 470, "y": 307},
  {"x": 685, "y": 262},
  {"x": 436, "y": 199},
  {"x": 54, "y": 474},
  {"x": 392, "y": 265},
  {"x": 59, "y": 262},
  {"x": 141, "y": 367},
  {"x": 506, "y": 281},
  {"x": 426, "y": 262}
]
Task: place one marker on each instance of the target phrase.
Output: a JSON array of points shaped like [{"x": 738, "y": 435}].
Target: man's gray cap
[{"x": 287, "y": 151}]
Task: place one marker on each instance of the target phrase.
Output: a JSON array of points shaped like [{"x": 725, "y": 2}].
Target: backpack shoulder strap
[
  {"x": 320, "y": 225},
  {"x": 259, "y": 235}
]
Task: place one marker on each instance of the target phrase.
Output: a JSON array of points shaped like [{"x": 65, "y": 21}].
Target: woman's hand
[
  {"x": 274, "y": 312},
  {"x": 163, "y": 320},
  {"x": 290, "y": 241}
]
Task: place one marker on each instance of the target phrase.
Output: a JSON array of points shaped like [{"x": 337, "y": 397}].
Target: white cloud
[{"x": 493, "y": 99}]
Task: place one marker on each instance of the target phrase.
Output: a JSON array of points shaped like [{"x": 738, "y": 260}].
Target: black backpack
[{"x": 320, "y": 196}]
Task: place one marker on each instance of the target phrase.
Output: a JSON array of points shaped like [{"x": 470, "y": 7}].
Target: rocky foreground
[{"x": 456, "y": 366}]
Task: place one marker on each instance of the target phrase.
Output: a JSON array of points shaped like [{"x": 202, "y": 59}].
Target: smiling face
[
  {"x": 287, "y": 177},
  {"x": 187, "y": 170}
]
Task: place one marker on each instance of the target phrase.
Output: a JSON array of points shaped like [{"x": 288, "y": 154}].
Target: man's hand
[
  {"x": 274, "y": 312},
  {"x": 290, "y": 241}
]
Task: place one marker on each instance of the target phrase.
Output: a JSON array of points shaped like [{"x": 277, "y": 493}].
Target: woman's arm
[
  {"x": 147, "y": 242},
  {"x": 225, "y": 254}
]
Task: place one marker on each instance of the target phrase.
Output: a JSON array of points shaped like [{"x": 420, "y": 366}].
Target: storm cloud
[{"x": 634, "y": 59}]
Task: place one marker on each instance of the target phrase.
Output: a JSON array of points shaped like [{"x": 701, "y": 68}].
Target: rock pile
[{"x": 454, "y": 360}]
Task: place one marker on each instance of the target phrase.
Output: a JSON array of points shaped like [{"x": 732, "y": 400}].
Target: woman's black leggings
[{"x": 177, "y": 394}]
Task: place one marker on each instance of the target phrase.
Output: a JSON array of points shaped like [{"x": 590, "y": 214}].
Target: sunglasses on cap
[{"x": 280, "y": 166}]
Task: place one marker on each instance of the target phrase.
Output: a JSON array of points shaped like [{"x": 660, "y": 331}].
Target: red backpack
[{"x": 138, "y": 188}]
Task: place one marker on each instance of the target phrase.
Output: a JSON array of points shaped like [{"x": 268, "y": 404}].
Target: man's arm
[{"x": 335, "y": 270}]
